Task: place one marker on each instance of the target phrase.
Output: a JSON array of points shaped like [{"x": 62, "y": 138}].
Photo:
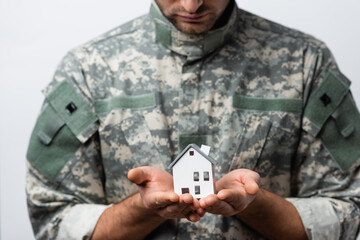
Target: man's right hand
[{"x": 157, "y": 193}]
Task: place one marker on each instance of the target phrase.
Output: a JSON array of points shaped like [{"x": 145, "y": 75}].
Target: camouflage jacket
[{"x": 263, "y": 96}]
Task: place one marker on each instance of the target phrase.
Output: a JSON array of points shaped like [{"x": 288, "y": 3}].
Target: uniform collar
[{"x": 194, "y": 47}]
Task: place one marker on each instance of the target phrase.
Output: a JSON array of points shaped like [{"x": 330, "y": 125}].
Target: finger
[
  {"x": 179, "y": 209},
  {"x": 201, "y": 212},
  {"x": 251, "y": 185},
  {"x": 195, "y": 205},
  {"x": 189, "y": 200},
  {"x": 236, "y": 199},
  {"x": 176, "y": 210},
  {"x": 193, "y": 217},
  {"x": 186, "y": 209},
  {"x": 162, "y": 199},
  {"x": 232, "y": 195},
  {"x": 139, "y": 175},
  {"x": 208, "y": 201},
  {"x": 186, "y": 198},
  {"x": 224, "y": 194},
  {"x": 220, "y": 207}
]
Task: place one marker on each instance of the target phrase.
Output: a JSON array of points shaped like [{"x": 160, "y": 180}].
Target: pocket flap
[
  {"x": 324, "y": 101},
  {"x": 138, "y": 102},
  {"x": 56, "y": 146},
  {"x": 50, "y": 129},
  {"x": 73, "y": 110},
  {"x": 343, "y": 142},
  {"x": 267, "y": 104}
]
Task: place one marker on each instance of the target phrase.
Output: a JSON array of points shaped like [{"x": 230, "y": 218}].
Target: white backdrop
[{"x": 35, "y": 35}]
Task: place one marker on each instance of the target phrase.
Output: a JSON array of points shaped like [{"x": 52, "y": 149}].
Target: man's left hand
[{"x": 235, "y": 191}]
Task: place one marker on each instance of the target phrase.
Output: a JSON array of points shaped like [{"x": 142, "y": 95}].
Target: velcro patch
[
  {"x": 325, "y": 100},
  {"x": 51, "y": 147},
  {"x": 343, "y": 143},
  {"x": 73, "y": 110}
]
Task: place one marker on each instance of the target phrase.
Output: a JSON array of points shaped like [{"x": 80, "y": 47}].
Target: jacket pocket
[
  {"x": 268, "y": 134},
  {"x": 143, "y": 134},
  {"x": 65, "y": 123},
  {"x": 332, "y": 116},
  {"x": 139, "y": 139},
  {"x": 251, "y": 142}
]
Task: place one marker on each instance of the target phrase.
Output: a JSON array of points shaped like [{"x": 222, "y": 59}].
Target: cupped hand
[
  {"x": 235, "y": 191},
  {"x": 157, "y": 193}
]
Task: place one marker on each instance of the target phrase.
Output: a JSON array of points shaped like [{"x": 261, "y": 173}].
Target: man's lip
[{"x": 192, "y": 18}]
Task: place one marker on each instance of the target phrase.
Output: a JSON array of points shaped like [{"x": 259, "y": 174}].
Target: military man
[{"x": 269, "y": 100}]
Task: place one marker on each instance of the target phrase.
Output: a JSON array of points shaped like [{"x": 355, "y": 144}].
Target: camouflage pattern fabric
[{"x": 245, "y": 88}]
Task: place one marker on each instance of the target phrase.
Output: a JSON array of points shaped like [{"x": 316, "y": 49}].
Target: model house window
[
  {"x": 191, "y": 153},
  {"x": 206, "y": 176},
  {"x": 196, "y": 176},
  {"x": 185, "y": 190},
  {"x": 197, "y": 189}
]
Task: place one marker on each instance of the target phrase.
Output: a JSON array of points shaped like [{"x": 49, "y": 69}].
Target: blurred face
[{"x": 193, "y": 16}]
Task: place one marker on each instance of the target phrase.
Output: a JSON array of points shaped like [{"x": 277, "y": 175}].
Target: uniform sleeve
[
  {"x": 64, "y": 170},
  {"x": 326, "y": 173}
]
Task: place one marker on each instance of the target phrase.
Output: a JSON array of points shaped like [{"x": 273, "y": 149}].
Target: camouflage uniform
[{"x": 263, "y": 96}]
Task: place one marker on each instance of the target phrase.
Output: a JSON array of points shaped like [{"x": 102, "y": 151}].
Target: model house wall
[{"x": 193, "y": 172}]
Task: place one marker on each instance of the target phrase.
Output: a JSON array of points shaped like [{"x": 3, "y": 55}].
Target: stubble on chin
[
  {"x": 193, "y": 28},
  {"x": 190, "y": 28}
]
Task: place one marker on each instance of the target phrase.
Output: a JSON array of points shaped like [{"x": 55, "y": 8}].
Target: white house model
[{"x": 193, "y": 171}]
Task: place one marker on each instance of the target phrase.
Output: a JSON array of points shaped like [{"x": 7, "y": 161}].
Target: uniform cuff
[
  {"x": 80, "y": 221},
  {"x": 318, "y": 216}
]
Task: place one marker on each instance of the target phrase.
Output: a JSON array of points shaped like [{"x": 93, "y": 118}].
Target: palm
[
  {"x": 157, "y": 193},
  {"x": 235, "y": 191}
]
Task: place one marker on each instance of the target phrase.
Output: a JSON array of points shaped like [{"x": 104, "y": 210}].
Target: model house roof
[{"x": 195, "y": 147}]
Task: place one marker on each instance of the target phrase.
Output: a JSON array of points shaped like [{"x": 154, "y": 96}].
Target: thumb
[
  {"x": 251, "y": 185},
  {"x": 139, "y": 175}
]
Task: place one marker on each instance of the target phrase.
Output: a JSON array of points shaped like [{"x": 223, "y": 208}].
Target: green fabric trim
[
  {"x": 132, "y": 102},
  {"x": 185, "y": 140},
  {"x": 344, "y": 124},
  {"x": 345, "y": 151},
  {"x": 335, "y": 89},
  {"x": 163, "y": 33},
  {"x": 267, "y": 104},
  {"x": 155, "y": 13},
  {"x": 50, "y": 159},
  {"x": 63, "y": 94},
  {"x": 212, "y": 40},
  {"x": 50, "y": 129}
]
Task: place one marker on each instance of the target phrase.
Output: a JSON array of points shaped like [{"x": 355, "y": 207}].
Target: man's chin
[{"x": 192, "y": 28}]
